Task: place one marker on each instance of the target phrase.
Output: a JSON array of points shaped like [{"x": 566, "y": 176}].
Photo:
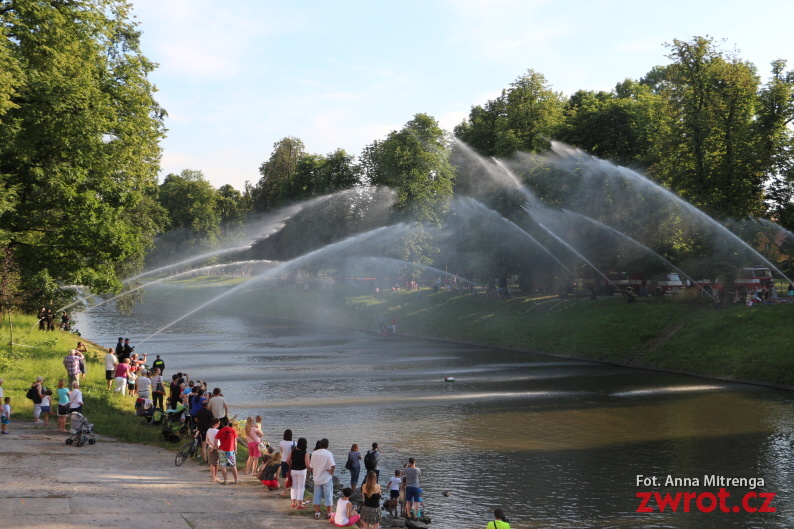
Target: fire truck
[
  {"x": 657, "y": 285},
  {"x": 751, "y": 279}
]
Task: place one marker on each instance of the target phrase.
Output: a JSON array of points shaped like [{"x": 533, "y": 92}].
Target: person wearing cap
[{"x": 159, "y": 364}]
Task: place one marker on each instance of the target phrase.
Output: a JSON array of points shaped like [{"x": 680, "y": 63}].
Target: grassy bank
[
  {"x": 36, "y": 353},
  {"x": 684, "y": 333}
]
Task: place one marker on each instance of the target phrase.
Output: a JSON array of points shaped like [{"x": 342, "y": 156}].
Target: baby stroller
[
  {"x": 151, "y": 415},
  {"x": 173, "y": 426},
  {"x": 81, "y": 430}
]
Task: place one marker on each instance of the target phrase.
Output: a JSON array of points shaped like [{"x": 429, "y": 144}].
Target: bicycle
[{"x": 192, "y": 448}]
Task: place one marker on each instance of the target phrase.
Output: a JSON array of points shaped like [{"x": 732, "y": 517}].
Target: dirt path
[{"x": 49, "y": 484}]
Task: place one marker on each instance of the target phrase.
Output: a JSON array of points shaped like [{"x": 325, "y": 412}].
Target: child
[
  {"x": 394, "y": 491},
  {"x": 46, "y": 406},
  {"x": 5, "y": 416},
  {"x": 344, "y": 516}
]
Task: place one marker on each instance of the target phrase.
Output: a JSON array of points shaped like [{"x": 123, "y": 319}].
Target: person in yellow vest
[{"x": 500, "y": 522}]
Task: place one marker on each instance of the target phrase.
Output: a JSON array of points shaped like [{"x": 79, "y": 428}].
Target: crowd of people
[{"x": 287, "y": 466}]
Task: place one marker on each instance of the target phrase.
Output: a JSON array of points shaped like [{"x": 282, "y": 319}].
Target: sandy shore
[{"x": 49, "y": 484}]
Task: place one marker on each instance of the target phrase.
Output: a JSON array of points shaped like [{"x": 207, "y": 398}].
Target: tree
[
  {"x": 79, "y": 141},
  {"x": 191, "y": 203},
  {"x": 521, "y": 119},
  {"x": 707, "y": 146},
  {"x": 415, "y": 162},
  {"x": 277, "y": 172}
]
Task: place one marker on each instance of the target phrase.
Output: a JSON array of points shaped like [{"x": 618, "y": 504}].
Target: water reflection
[{"x": 557, "y": 443}]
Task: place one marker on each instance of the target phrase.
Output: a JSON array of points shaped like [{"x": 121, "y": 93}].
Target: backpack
[
  {"x": 370, "y": 461},
  {"x": 32, "y": 393}
]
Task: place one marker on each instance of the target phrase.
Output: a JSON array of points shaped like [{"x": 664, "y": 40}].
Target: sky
[{"x": 237, "y": 76}]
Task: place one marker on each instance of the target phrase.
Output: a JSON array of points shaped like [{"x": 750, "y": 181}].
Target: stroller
[
  {"x": 174, "y": 426},
  {"x": 81, "y": 430}
]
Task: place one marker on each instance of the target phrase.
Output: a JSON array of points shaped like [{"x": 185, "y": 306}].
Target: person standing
[
  {"x": 158, "y": 389},
  {"x": 323, "y": 466},
  {"x": 5, "y": 416},
  {"x": 371, "y": 492},
  {"x": 226, "y": 442},
  {"x": 120, "y": 382},
  {"x": 286, "y": 445},
  {"x": 127, "y": 350},
  {"x": 110, "y": 366},
  {"x": 217, "y": 405},
  {"x": 120, "y": 350},
  {"x": 63, "y": 405},
  {"x": 35, "y": 394},
  {"x": 372, "y": 459},
  {"x": 159, "y": 364},
  {"x": 143, "y": 384},
  {"x": 203, "y": 418},
  {"x": 76, "y": 399},
  {"x": 298, "y": 463},
  {"x": 43, "y": 319},
  {"x": 72, "y": 364},
  {"x": 211, "y": 446},
  {"x": 354, "y": 465},
  {"x": 412, "y": 491},
  {"x": 253, "y": 436}
]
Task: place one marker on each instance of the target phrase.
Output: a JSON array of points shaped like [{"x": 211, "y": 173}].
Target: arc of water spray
[
  {"x": 191, "y": 271},
  {"x": 642, "y": 246},
  {"x": 526, "y": 208},
  {"x": 298, "y": 261},
  {"x": 496, "y": 216},
  {"x": 563, "y": 150},
  {"x": 400, "y": 262}
]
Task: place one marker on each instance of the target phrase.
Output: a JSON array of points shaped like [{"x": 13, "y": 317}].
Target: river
[{"x": 556, "y": 443}]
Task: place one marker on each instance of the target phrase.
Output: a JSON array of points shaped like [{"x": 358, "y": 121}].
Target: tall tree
[
  {"x": 521, "y": 119},
  {"x": 707, "y": 147},
  {"x": 277, "y": 172},
  {"x": 415, "y": 162},
  {"x": 79, "y": 141},
  {"x": 192, "y": 205}
]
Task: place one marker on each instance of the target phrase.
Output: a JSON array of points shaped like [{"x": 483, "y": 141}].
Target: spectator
[
  {"x": 110, "y": 366},
  {"x": 226, "y": 442},
  {"x": 500, "y": 521},
  {"x": 323, "y": 466},
  {"x": 76, "y": 399},
  {"x": 63, "y": 405},
  {"x": 72, "y": 364},
  {"x": 218, "y": 405},
  {"x": 412, "y": 491},
  {"x": 370, "y": 512},
  {"x": 298, "y": 463},
  {"x": 35, "y": 394},
  {"x": 253, "y": 436}
]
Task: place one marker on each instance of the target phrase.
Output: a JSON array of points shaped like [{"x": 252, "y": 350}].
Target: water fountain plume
[
  {"x": 488, "y": 213},
  {"x": 567, "y": 156},
  {"x": 180, "y": 274},
  {"x": 533, "y": 212},
  {"x": 641, "y": 246},
  {"x": 387, "y": 234},
  {"x": 400, "y": 263}
]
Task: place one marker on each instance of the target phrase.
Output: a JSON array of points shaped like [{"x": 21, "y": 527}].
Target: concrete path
[{"x": 46, "y": 483}]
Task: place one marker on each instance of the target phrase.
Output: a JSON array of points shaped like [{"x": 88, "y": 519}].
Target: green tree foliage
[
  {"x": 708, "y": 143},
  {"x": 618, "y": 125},
  {"x": 317, "y": 175},
  {"x": 277, "y": 173},
  {"x": 79, "y": 141},
  {"x": 414, "y": 161},
  {"x": 775, "y": 117},
  {"x": 192, "y": 205},
  {"x": 523, "y": 118}
]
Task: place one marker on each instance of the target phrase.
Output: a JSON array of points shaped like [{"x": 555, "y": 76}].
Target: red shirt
[{"x": 227, "y": 438}]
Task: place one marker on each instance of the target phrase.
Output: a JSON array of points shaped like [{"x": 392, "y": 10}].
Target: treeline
[{"x": 80, "y": 130}]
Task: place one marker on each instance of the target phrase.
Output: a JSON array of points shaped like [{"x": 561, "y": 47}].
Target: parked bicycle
[{"x": 192, "y": 448}]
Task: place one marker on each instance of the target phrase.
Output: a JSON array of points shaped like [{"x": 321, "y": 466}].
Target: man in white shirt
[
  {"x": 110, "y": 367},
  {"x": 323, "y": 466},
  {"x": 212, "y": 452}
]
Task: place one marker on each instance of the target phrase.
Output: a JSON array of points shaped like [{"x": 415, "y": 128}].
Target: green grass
[
  {"x": 683, "y": 333},
  {"x": 38, "y": 353}
]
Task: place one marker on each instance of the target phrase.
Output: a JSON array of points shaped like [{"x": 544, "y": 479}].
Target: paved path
[{"x": 47, "y": 484}]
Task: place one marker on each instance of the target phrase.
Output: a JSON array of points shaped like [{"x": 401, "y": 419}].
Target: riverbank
[
  {"x": 114, "y": 484},
  {"x": 128, "y": 478},
  {"x": 685, "y": 334}
]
